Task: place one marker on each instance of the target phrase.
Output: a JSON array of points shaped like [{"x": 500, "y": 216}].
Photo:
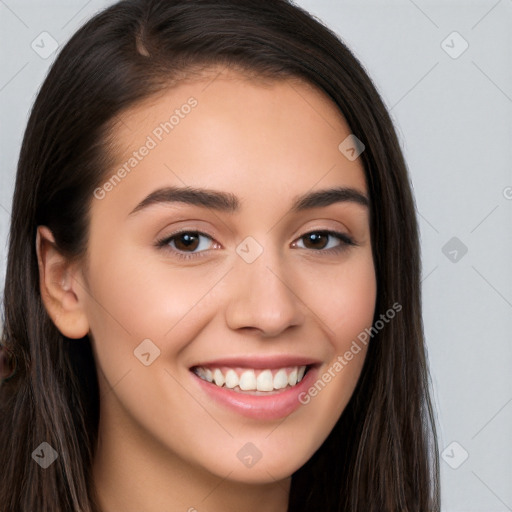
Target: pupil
[
  {"x": 188, "y": 240},
  {"x": 315, "y": 237}
]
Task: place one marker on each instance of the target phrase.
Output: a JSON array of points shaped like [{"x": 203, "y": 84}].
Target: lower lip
[{"x": 264, "y": 407}]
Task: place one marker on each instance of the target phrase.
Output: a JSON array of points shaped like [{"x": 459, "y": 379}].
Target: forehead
[{"x": 228, "y": 131}]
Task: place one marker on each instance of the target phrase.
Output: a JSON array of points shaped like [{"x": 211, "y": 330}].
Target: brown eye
[
  {"x": 316, "y": 240},
  {"x": 185, "y": 241},
  {"x": 323, "y": 241},
  {"x": 186, "y": 244}
]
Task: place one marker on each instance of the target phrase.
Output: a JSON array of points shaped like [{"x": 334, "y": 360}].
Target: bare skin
[{"x": 164, "y": 445}]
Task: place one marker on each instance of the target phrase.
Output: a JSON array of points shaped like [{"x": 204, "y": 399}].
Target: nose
[{"x": 261, "y": 297}]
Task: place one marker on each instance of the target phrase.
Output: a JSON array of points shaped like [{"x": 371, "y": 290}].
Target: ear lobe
[{"x": 58, "y": 284}]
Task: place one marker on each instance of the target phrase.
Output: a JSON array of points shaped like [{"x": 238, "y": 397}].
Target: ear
[{"x": 60, "y": 287}]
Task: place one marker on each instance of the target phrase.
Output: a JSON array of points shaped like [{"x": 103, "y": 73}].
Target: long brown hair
[{"x": 382, "y": 454}]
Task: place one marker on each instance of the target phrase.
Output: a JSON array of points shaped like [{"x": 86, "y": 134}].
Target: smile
[
  {"x": 264, "y": 388},
  {"x": 249, "y": 379}
]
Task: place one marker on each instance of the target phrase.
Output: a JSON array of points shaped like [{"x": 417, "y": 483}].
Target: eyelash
[{"x": 343, "y": 238}]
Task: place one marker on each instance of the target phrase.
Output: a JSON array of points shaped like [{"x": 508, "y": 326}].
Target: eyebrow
[{"x": 229, "y": 203}]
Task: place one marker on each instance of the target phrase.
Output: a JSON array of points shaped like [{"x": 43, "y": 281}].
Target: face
[{"x": 206, "y": 306}]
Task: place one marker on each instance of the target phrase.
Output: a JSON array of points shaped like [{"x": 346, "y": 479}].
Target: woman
[{"x": 212, "y": 295}]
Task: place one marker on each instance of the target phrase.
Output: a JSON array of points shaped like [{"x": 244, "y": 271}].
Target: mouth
[
  {"x": 255, "y": 381},
  {"x": 260, "y": 388}
]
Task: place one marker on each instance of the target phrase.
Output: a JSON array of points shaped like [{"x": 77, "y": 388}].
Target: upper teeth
[{"x": 251, "y": 380}]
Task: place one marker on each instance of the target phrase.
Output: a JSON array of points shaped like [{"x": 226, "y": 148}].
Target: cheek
[
  {"x": 343, "y": 298},
  {"x": 139, "y": 300},
  {"x": 349, "y": 311},
  {"x": 346, "y": 310},
  {"x": 352, "y": 308},
  {"x": 129, "y": 302}
]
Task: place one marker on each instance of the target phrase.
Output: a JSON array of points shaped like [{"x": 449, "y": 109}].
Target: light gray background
[{"x": 454, "y": 119}]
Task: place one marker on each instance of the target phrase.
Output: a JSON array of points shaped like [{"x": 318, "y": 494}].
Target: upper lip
[{"x": 260, "y": 362}]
